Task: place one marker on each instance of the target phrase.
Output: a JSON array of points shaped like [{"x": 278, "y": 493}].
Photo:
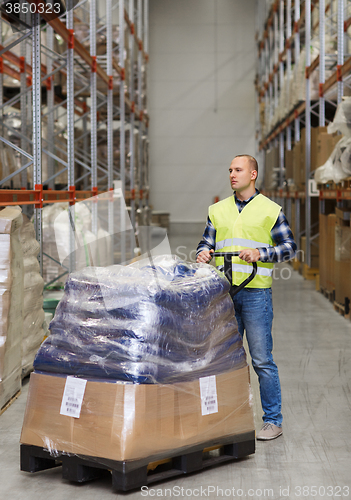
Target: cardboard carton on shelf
[
  {"x": 125, "y": 421},
  {"x": 323, "y": 242},
  {"x": 343, "y": 216},
  {"x": 11, "y": 303},
  {"x": 331, "y": 252},
  {"x": 160, "y": 218},
  {"x": 325, "y": 146},
  {"x": 322, "y": 146},
  {"x": 327, "y": 225},
  {"x": 342, "y": 263},
  {"x": 271, "y": 163},
  {"x": 318, "y": 136},
  {"x": 297, "y": 170}
]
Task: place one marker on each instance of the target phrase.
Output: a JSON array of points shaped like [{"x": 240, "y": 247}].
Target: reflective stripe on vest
[
  {"x": 247, "y": 268},
  {"x": 242, "y": 242},
  {"x": 251, "y": 228}
]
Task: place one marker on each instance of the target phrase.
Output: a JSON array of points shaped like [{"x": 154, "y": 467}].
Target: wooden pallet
[
  {"x": 343, "y": 309},
  {"x": 132, "y": 474},
  {"x": 9, "y": 403},
  {"x": 330, "y": 295}
]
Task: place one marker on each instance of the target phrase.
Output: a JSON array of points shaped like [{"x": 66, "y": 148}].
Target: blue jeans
[{"x": 254, "y": 314}]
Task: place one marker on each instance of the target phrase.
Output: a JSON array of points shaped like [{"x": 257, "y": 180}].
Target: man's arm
[
  {"x": 207, "y": 244},
  {"x": 285, "y": 246}
]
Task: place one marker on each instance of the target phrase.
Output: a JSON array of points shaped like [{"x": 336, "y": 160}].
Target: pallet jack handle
[{"x": 228, "y": 271}]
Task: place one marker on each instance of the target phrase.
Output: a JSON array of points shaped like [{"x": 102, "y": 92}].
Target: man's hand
[
  {"x": 250, "y": 255},
  {"x": 205, "y": 256}
]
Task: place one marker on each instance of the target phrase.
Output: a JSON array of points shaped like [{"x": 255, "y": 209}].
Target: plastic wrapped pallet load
[
  {"x": 11, "y": 303},
  {"x": 157, "y": 349}
]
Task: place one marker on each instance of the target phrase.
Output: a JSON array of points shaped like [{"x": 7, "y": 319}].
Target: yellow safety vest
[{"x": 251, "y": 228}]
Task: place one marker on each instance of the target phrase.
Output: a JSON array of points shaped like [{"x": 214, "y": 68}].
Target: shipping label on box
[
  {"x": 73, "y": 397},
  {"x": 208, "y": 393}
]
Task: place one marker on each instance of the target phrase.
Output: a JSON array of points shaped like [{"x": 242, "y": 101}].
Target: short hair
[{"x": 251, "y": 160}]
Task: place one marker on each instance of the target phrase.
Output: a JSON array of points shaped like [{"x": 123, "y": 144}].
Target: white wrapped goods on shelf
[
  {"x": 33, "y": 313},
  {"x": 11, "y": 303},
  {"x": 338, "y": 165}
]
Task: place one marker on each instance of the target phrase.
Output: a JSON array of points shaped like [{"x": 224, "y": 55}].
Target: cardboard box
[
  {"x": 342, "y": 281},
  {"x": 318, "y": 134},
  {"x": 342, "y": 263},
  {"x": 322, "y": 145},
  {"x": 124, "y": 421},
  {"x": 343, "y": 216},
  {"x": 323, "y": 242},
  {"x": 160, "y": 218},
  {"x": 325, "y": 146},
  {"x": 271, "y": 163},
  {"x": 342, "y": 243},
  {"x": 297, "y": 162},
  {"x": 331, "y": 252},
  {"x": 11, "y": 303}
]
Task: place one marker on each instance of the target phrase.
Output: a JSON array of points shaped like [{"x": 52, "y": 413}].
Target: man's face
[{"x": 240, "y": 174}]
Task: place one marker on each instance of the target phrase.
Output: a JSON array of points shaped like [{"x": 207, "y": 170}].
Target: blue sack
[{"x": 165, "y": 322}]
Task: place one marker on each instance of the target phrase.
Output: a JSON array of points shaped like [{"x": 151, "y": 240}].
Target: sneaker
[{"x": 269, "y": 431}]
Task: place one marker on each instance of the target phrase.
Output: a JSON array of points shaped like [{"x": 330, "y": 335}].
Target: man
[{"x": 256, "y": 226}]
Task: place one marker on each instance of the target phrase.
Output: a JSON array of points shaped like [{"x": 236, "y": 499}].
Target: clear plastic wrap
[
  {"x": 159, "y": 321},
  {"x": 338, "y": 165},
  {"x": 91, "y": 249},
  {"x": 11, "y": 303},
  {"x": 33, "y": 313},
  {"x": 134, "y": 422},
  {"x": 342, "y": 119}
]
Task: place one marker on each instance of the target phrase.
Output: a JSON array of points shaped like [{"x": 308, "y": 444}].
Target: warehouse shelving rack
[
  {"x": 288, "y": 27},
  {"x": 101, "y": 79}
]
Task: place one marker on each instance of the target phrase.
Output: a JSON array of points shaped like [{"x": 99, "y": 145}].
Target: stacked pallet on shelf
[{"x": 11, "y": 305}]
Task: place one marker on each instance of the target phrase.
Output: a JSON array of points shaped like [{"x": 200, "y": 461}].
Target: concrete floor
[{"x": 312, "y": 348}]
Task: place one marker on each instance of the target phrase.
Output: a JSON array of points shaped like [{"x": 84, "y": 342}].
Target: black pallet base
[{"x": 128, "y": 475}]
